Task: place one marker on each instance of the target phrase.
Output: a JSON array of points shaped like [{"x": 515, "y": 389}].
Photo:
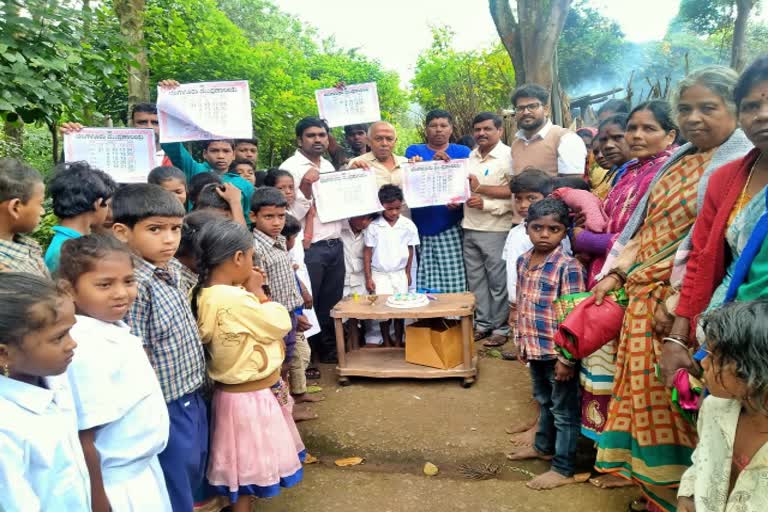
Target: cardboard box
[{"x": 434, "y": 342}]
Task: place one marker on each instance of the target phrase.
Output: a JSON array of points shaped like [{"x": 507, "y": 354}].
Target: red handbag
[{"x": 588, "y": 327}]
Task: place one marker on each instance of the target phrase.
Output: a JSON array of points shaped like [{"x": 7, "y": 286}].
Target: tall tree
[
  {"x": 727, "y": 18},
  {"x": 130, "y": 13},
  {"x": 531, "y": 37}
]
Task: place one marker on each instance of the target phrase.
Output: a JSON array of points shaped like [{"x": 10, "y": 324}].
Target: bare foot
[
  {"x": 302, "y": 414},
  {"x": 306, "y": 397},
  {"x": 528, "y": 453},
  {"x": 524, "y": 439},
  {"x": 549, "y": 480},
  {"x": 610, "y": 481}
]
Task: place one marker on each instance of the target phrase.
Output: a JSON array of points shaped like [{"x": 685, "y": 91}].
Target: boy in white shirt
[{"x": 388, "y": 253}]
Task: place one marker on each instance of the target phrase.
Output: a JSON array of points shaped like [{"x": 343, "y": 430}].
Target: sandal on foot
[
  {"x": 480, "y": 335},
  {"x": 496, "y": 340},
  {"x": 312, "y": 373}
]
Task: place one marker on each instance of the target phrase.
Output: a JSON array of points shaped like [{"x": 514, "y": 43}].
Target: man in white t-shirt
[{"x": 324, "y": 255}]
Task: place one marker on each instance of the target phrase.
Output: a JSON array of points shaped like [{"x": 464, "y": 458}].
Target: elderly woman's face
[
  {"x": 703, "y": 118},
  {"x": 753, "y": 115}
]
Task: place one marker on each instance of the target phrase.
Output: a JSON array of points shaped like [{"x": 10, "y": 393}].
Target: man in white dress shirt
[{"x": 324, "y": 254}]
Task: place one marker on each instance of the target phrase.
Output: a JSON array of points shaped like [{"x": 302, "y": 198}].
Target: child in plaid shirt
[
  {"x": 544, "y": 274},
  {"x": 21, "y": 205}
]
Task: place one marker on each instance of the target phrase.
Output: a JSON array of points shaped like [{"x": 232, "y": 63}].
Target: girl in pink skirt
[{"x": 255, "y": 447}]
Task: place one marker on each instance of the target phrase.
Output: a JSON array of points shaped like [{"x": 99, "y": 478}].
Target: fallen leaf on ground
[
  {"x": 314, "y": 389},
  {"x": 494, "y": 353},
  {"x": 349, "y": 461},
  {"x": 311, "y": 459},
  {"x": 417, "y": 397},
  {"x": 430, "y": 469}
]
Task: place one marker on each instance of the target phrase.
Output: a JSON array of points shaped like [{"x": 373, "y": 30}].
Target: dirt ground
[{"x": 398, "y": 425}]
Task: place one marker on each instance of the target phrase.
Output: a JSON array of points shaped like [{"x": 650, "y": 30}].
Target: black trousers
[{"x": 325, "y": 264}]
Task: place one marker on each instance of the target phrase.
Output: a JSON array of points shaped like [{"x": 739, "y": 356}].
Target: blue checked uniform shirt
[
  {"x": 162, "y": 317},
  {"x": 537, "y": 289}
]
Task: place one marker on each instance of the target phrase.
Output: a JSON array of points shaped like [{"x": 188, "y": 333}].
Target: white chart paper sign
[
  {"x": 435, "y": 183},
  {"x": 353, "y": 104},
  {"x": 205, "y": 111},
  {"x": 126, "y": 154},
  {"x": 344, "y": 194}
]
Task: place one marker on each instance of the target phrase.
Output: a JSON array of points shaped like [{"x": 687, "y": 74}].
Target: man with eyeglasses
[{"x": 539, "y": 144}]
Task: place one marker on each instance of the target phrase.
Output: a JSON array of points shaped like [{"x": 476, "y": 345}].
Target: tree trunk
[
  {"x": 131, "y": 16},
  {"x": 743, "y": 8},
  {"x": 14, "y": 132},
  {"x": 531, "y": 38}
]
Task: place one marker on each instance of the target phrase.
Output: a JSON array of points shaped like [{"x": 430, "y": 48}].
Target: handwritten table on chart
[
  {"x": 205, "y": 111},
  {"x": 126, "y": 154},
  {"x": 352, "y": 104},
  {"x": 435, "y": 183},
  {"x": 344, "y": 194}
]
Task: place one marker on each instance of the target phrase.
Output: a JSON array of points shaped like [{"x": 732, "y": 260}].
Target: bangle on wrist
[
  {"x": 676, "y": 341},
  {"x": 618, "y": 274}
]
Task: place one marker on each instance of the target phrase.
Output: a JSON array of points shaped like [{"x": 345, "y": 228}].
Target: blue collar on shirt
[
  {"x": 31, "y": 397},
  {"x": 67, "y": 232}
]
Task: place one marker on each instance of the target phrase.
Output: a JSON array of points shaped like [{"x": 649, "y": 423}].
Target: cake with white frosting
[{"x": 407, "y": 300}]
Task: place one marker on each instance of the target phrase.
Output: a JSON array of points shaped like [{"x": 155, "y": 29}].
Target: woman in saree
[
  {"x": 613, "y": 149},
  {"x": 733, "y": 205},
  {"x": 649, "y": 135},
  {"x": 645, "y": 439}
]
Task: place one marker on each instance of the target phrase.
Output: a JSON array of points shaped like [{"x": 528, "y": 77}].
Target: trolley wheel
[
  {"x": 344, "y": 381},
  {"x": 467, "y": 383}
]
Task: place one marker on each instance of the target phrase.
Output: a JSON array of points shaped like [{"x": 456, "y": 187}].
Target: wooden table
[{"x": 390, "y": 363}]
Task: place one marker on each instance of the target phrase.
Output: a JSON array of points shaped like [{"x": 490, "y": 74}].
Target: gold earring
[{"x": 6, "y": 371}]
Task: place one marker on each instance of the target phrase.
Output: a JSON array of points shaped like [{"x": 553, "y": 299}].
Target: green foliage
[
  {"x": 462, "y": 82},
  {"x": 705, "y": 16},
  {"x": 589, "y": 49},
  {"x": 48, "y": 65}
]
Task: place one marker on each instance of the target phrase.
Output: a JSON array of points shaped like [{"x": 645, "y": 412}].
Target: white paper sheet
[
  {"x": 205, "y": 111},
  {"x": 344, "y": 194},
  {"x": 126, "y": 154},
  {"x": 435, "y": 183},
  {"x": 353, "y": 104}
]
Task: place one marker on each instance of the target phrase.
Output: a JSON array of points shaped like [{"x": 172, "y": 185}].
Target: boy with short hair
[
  {"x": 245, "y": 169},
  {"x": 544, "y": 274},
  {"x": 353, "y": 238},
  {"x": 21, "y": 206},
  {"x": 247, "y": 150},
  {"x": 388, "y": 253},
  {"x": 528, "y": 187},
  {"x": 149, "y": 220},
  {"x": 268, "y": 211},
  {"x": 80, "y": 195}
]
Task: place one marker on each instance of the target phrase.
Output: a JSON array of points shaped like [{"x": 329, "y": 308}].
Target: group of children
[{"x": 177, "y": 313}]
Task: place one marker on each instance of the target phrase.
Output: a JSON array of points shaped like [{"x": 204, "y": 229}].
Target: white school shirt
[
  {"x": 42, "y": 467},
  {"x": 518, "y": 243},
  {"x": 298, "y": 165},
  {"x": 353, "y": 257},
  {"x": 116, "y": 389},
  {"x": 390, "y": 243},
  {"x": 571, "y": 151}
]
